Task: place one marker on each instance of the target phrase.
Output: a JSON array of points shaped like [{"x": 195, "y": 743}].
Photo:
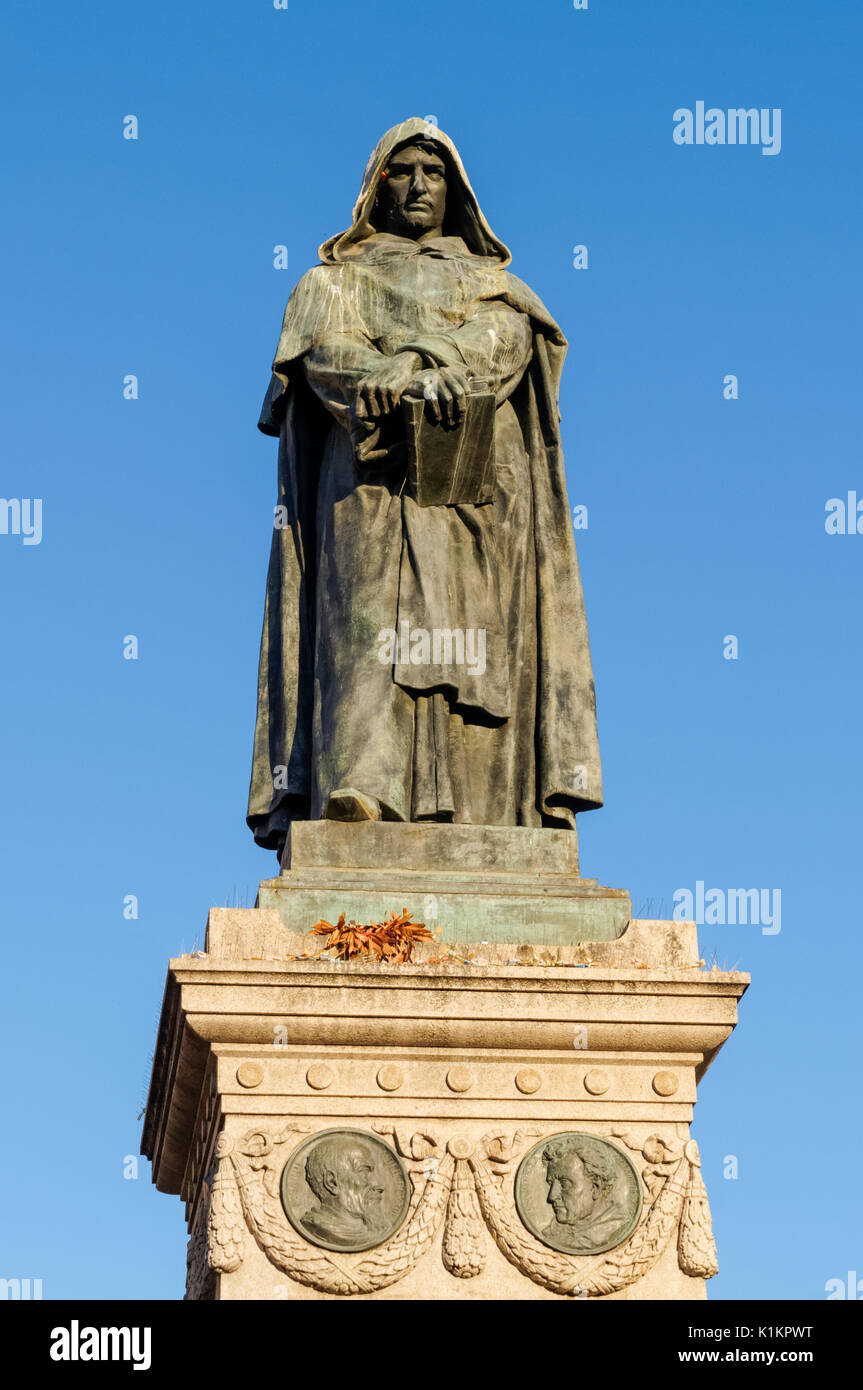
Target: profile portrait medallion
[
  {"x": 345, "y": 1189},
  {"x": 578, "y": 1194}
]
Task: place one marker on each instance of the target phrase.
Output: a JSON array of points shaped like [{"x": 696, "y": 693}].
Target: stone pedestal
[
  {"x": 474, "y": 883},
  {"x": 466, "y": 1065}
]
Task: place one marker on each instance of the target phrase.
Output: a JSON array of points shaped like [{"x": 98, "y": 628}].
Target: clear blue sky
[{"x": 706, "y": 518}]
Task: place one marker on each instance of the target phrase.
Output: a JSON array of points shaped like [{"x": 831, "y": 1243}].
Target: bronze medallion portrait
[
  {"x": 578, "y": 1193},
  {"x": 345, "y": 1189}
]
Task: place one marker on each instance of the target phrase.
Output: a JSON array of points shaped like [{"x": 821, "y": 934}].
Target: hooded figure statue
[{"x": 419, "y": 662}]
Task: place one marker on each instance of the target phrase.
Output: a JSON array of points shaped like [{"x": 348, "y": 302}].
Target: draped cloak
[{"x": 498, "y": 729}]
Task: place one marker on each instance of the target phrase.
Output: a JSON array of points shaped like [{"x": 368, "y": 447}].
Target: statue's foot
[{"x": 348, "y": 804}]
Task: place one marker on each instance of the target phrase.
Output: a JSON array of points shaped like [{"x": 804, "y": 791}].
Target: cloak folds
[{"x": 509, "y": 736}]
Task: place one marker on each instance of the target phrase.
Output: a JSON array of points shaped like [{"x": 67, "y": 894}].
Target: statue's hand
[
  {"x": 445, "y": 391},
  {"x": 382, "y": 389}
]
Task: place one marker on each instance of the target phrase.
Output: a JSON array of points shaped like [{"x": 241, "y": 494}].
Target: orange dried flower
[{"x": 391, "y": 941}]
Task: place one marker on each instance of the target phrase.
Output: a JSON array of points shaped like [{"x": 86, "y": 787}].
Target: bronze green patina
[
  {"x": 578, "y": 1193},
  {"x": 344, "y": 1189},
  {"x": 415, "y": 302}
]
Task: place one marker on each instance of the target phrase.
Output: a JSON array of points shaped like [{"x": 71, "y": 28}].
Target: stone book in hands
[{"x": 451, "y": 465}]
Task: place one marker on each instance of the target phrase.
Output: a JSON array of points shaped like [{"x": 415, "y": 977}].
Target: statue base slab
[
  {"x": 458, "y": 1075},
  {"x": 468, "y": 883}
]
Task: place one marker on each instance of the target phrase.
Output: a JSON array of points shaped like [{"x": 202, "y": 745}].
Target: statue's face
[
  {"x": 412, "y": 197},
  {"x": 350, "y": 1184},
  {"x": 570, "y": 1190}
]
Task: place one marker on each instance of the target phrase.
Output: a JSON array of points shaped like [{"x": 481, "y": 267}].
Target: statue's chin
[{"x": 412, "y": 226}]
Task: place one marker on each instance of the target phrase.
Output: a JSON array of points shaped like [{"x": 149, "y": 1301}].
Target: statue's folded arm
[
  {"x": 335, "y": 366},
  {"x": 495, "y": 343}
]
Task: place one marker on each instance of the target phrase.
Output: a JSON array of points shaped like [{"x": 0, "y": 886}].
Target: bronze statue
[{"x": 425, "y": 651}]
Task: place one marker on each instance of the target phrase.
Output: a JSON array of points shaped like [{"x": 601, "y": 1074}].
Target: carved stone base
[{"x": 535, "y": 1117}]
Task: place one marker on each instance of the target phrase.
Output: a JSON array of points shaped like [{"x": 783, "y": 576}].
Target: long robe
[{"x": 510, "y": 737}]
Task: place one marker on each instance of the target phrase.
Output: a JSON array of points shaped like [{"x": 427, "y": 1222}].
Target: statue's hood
[{"x": 463, "y": 215}]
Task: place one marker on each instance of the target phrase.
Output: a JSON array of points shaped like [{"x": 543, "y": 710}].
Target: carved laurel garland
[
  {"x": 696, "y": 1248},
  {"x": 561, "y": 1273},
  {"x": 247, "y": 1167},
  {"x": 226, "y": 1224},
  {"x": 463, "y": 1251},
  {"x": 473, "y": 1187},
  {"x": 199, "y": 1274}
]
